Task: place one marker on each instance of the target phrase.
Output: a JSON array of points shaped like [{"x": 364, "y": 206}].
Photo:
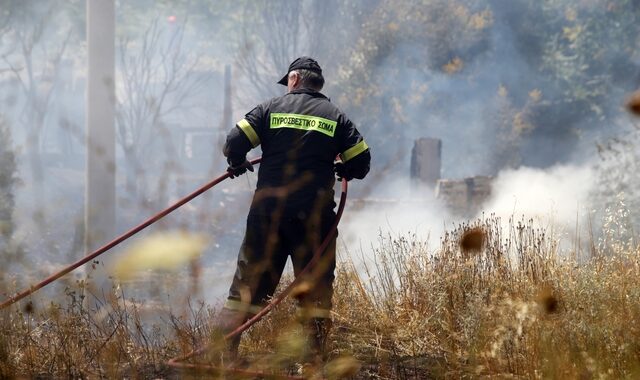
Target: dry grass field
[{"x": 487, "y": 302}]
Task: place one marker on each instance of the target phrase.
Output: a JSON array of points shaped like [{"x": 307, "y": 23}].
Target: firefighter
[{"x": 301, "y": 134}]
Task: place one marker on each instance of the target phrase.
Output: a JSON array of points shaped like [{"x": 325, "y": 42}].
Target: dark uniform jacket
[{"x": 301, "y": 134}]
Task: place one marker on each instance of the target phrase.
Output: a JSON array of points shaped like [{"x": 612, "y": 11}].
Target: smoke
[
  {"x": 515, "y": 94},
  {"x": 396, "y": 210},
  {"x": 557, "y": 199},
  {"x": 476, "y": 74}
]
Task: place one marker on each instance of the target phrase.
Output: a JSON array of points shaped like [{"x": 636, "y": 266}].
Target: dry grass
[
  {"x": 514, "y": 309},
  {"x": 511, "y": 309},
  {"x": 107, "y": 340}
]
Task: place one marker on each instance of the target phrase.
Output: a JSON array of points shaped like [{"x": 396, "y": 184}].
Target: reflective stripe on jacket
[{"x": 300, "y": 133}]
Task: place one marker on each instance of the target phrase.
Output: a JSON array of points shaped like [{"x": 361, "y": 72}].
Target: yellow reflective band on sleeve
[
  {"x": 354, "y": 151},
  {"x": 313, "y": 312},
  {"x": 249, "y": 132},
  {"x": 242, "y": 307}
]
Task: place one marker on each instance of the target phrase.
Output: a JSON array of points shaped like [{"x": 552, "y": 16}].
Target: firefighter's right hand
[{"x": 238, "y": 170}]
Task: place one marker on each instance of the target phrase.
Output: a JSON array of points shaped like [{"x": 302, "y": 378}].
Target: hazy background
[{"x": 528, "y": 91}]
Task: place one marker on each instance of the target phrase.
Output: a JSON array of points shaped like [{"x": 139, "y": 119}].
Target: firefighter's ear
[{"x": 294, "y": 80}]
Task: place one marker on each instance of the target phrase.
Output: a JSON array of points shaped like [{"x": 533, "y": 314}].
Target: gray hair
[{"x": 310, "y": 79}]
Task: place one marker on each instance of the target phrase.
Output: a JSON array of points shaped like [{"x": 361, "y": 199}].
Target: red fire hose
[
  {"x": 177, "y": 362},
  {"x": 117, "y": 240}
]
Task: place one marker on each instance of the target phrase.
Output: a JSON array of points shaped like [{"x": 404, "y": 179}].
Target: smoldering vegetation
[{"x": 537, "y": 94}]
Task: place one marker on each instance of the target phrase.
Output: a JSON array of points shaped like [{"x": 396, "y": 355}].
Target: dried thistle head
[
  {"x": 161, "y": 251},
  {"x": 29, "y": 308},
  {"x": 301, "y": 290},
  {"x": 472, "y": 240},
  {"x": 343, "y": 367},
  {"x": 633, "y": 103},
  {"x": 548, "y": 301}
]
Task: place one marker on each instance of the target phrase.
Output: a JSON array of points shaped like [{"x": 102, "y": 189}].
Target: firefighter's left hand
[
  {"x": 238, "y": 170},
  {"x": 341, "y": 171}
]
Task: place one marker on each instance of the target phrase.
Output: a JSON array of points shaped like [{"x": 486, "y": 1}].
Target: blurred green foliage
[{"x": 577, "y": 59}]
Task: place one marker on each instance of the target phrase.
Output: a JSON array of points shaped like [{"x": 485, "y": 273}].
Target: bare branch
[
  {"x": 157, "y": 77},
  {"x": 16, "y": 71}
]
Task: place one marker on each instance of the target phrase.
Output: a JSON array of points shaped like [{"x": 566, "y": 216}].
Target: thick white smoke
[
  {"x": 556, "y": 198},
  {"x": 393, "y": 209}
]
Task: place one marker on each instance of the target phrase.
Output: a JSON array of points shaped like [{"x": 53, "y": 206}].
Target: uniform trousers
[{"x": 268, "y": 242}]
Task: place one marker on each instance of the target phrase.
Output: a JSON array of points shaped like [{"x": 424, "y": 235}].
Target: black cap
[{"x": 306, "y": 63}]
